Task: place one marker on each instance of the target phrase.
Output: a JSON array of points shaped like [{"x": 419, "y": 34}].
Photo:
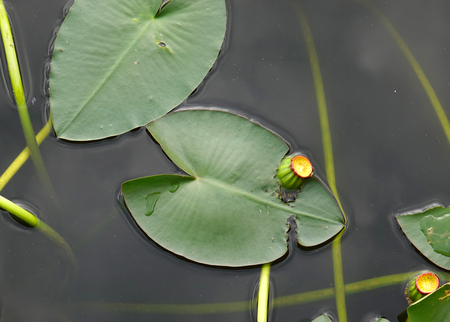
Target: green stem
[
  {"x": 329, "y": 161},
  {"x": 416, "y": 67},
  {"x": 17, "y": 87},
  {"x": 339, "y": 278},
  {"x": 263, "y": 293},
  {"x": 23, "y": 156},
  {"x": 19, "y": 212},
  {"x": 25, "y": 215},
  {"x": 321, "y": 104},
  {"x": 33, "y": 221},
  {"x": 353, "y": 288},
  {"x": 88, "y": 238},
  {"x": 172, "y": 309},
  {"x": 60, "y": 242},
  {"x": 230, "y": 307}
]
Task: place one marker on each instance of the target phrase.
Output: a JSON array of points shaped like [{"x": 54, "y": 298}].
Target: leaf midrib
[
  {"x": 253, "y": 197},
  {"x": 110, "y": 72}
]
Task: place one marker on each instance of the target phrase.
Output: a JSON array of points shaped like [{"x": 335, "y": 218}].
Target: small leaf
[
  {"x": 433, "y": 307},
  {"x": 428, "y": 232},
  {"x": 226, "y": 211},
  {"x": 116, "y": 66},
  {"x": 322, "y": 318}
]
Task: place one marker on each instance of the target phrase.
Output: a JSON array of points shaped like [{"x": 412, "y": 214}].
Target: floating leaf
[
  {"x": 437, "y": 231},
  {"x": 116, "y": 66},
  {"x": 226, "y": 211},
  {"x": 433, "y": 307},
  {"x": 322, "y": 318},
  {"x": 429, "y": 232}
]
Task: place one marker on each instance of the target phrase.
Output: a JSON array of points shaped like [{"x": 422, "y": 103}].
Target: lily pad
[
  {"x": 429, "y": 232},
  {"x": 437, "y": 231},
  {"x": 226, "y": 210},
  {"x": 433, "y": 307},
  {"x": 116, "y": 66},
  {"x": 322, "y": 318}
]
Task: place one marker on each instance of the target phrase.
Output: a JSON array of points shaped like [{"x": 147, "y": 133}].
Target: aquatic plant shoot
[
  {"x": 422, "y": 285},
  {"x": 293, "y": 170}
]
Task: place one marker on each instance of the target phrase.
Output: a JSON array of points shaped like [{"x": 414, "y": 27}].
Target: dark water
[{"x": 390, "y": 153}]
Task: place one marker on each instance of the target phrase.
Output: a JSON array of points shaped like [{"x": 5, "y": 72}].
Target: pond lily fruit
[
  {"x": 293, "y": 170},
  {"x": 422, "y": 285}
]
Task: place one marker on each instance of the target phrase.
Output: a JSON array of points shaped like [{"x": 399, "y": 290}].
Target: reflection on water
[{"x": 390, "y": 155}]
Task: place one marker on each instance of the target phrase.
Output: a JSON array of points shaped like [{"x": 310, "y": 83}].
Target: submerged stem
[
  {"x": 329, "y": 161},
  {"x": 416, "y": 67},
  {"x": 60, "y": 242},
  {"x": 32, "y": 221},
  {"x": 339, "y": 278},
  {"x": 221, "y": 308},
  {"x": 17, "y": 87},
  {"x": 263, "y": 293},
  {"x": 23, "y": 156},
  {"x": 353, "y": 288},
  {"x": 321, "y": 104}
]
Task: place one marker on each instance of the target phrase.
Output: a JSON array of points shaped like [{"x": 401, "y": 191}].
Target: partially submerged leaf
[
  {"x": 429, "y": 232},
  {"x": 433, "y": 307},
  {"x": 322, "y": 318},
  {"x": 116, "y": 66},
  {"x": 226, "y": 211}
]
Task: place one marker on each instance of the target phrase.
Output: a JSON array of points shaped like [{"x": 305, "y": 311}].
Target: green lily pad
[
  {"x": 437, "y": 231},
  {"x": 116, "y": 66},
  {"x": 429, "y": 232},
  {"x": 433, "y": 307},
  {"x": 322, "y": 318},
  {"x": 226, "y": 210}
]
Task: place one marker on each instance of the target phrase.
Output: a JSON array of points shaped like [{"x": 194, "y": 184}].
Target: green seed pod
[
  {"x": 421, "y": 285},
  {"x": 292, "y": 170}
]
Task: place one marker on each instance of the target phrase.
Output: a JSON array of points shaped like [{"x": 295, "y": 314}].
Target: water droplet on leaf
[
  {"x": 151, "y": 202},
  {"x": 174, "y": 187}
]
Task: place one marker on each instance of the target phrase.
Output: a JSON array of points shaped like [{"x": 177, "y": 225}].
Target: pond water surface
[{"x": 390, "y": 153}]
